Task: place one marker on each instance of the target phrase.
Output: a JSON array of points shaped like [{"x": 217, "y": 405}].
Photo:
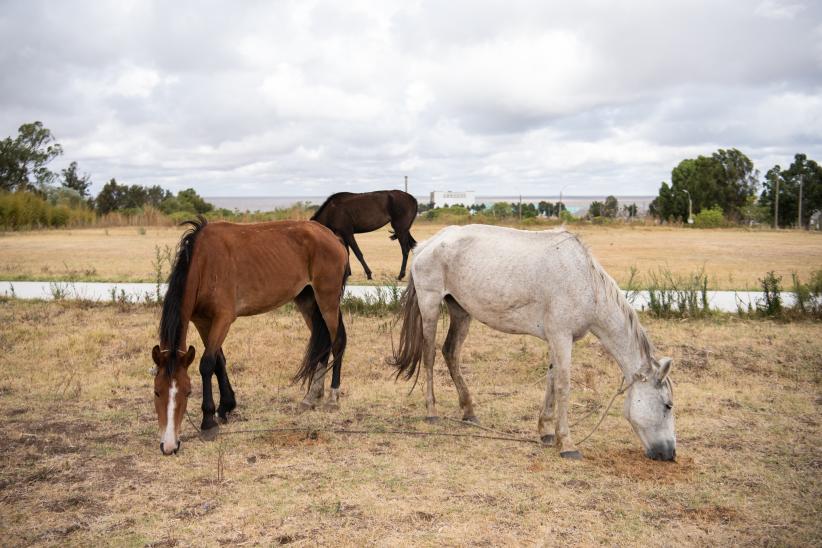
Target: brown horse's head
[{"x": 172, "y": 387}]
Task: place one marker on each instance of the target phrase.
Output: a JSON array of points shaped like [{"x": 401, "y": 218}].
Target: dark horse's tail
[
  {"x": 407, "y": 357},
  {"x": 171, "y": 321},
  {"x": 412, "y": 243}
]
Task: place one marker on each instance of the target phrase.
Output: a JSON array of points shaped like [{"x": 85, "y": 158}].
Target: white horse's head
[{"x": 649, "y": 408}]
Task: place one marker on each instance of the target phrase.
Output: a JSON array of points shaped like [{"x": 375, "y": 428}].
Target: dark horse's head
[{"x": 172, "y": 387}]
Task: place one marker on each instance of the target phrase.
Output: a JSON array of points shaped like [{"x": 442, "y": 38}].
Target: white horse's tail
[{"x": 407, "y": 356}]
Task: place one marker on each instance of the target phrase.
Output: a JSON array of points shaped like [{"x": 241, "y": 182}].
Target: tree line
[
  {"x": 727, "y": 184},
  {"x": 26, "y": 178}
]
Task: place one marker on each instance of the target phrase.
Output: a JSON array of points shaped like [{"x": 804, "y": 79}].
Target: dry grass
[
  {"x": 732, "y": 258},
  {"x": 81, "y": 463}
]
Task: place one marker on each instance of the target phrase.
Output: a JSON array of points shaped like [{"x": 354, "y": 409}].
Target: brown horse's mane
[
  {"x": 171, "y": 322},
  {"x": 328, "y": 201}
]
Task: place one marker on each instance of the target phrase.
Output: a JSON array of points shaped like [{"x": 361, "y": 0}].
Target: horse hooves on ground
[
  {"x": 222, "y": 419},
  {"x": 472, "y": 419},
  {"x": 306, "y": 406},
  {"x": 573, "y": 455},
  {"x": 548, "y": 439},
  {"x": 209, "y": 434},
  {"x": 432, "y": 420},
  {"x": 332, "y": 406}
]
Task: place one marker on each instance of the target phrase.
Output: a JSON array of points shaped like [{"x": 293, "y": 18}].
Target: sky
[{"x": 307, "y": 98}]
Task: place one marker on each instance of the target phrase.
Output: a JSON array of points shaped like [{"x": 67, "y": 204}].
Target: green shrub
[
  {"x": 771, "y": 303},
  {"x": 709, "y": 218}
]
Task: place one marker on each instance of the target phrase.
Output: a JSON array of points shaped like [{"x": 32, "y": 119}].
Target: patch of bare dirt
[{"x": 630, "y": 463}]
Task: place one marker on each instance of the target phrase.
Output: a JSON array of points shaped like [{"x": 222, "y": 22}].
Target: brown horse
[
  {"x": 225, "y": 270},
  {"x": 347, "y": 213}
]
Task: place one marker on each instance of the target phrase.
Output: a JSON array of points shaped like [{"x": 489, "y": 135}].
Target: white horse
[{"x": 544, "y": 284}]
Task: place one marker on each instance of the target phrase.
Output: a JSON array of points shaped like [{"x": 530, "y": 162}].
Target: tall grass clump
[
  {"x": 808, "y": 296},
  {"x": 671, "y": 296},
  {"x": 26, "y": 210},
  {"x": 385, "y": 300}
]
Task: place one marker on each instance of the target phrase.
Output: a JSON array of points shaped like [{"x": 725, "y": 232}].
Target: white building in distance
[{"x": 447, "y": 198}]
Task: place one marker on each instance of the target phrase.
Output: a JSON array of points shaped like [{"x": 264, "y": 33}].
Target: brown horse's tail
[
  {"x": 318, "y": 349},
  {"x": 407, "y": 356}
]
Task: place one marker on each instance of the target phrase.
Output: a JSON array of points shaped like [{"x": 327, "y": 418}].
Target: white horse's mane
[{"x": 605, "y": 286}]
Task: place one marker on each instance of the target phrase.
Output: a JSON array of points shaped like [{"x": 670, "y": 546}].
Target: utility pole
[
  {"x": 690, "y": 207},
  {"x": 776, "y": 206},
  {"x": 799, "y": 213},
  {"x": 406, "y": 184}
]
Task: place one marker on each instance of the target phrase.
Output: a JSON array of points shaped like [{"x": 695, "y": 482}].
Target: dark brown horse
[
  {"x": 226, "y": 270},
  {"x": 347, "y": 213}
]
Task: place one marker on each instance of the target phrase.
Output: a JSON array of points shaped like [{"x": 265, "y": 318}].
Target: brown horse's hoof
[
  {"x": 573, "y": 455},
  {"x": 472, "y": 419},
  {"x": 209, "y": 434},
  {"x": 548, "y": 440},
  {"x": 432, "y": 420}
]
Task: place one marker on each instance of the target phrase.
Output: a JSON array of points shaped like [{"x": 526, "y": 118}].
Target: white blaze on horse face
[{"x": 170, "y": 436}]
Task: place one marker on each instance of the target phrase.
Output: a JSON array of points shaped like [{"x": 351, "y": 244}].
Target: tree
[
  {"x": 726, "y": 179},
  {"x": 501, "y": 210},
  {"x": 23, "y": 160},
  {"x": 189, "y": 200},
  {"x": 111, "y": 197},
  {"x": 596, "y": 209},
  {"x": 73, "y": 181},
  {"x": 545, "y": 208},
  {"x": 611, "y": 207},
  {"x": 804, "y": 171},
  {"x": 630, "y": 210}
]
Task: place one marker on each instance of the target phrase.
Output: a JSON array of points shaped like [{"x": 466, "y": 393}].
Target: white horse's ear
[{"x": 664, "y": 369}]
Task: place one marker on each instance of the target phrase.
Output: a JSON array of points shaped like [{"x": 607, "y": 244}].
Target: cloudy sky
[{"x": 308, "y": 98}]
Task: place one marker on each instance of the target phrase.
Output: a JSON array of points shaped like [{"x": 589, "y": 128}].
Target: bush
[
  {"x": 771, "y": 303},
  {"x": 24, "y": 210},
  {"x": 808, "y": 297},
  {"x": 709, "y": 218}
]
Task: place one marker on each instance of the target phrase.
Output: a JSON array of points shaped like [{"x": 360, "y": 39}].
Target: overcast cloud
[{"x": 309, "y": 98}]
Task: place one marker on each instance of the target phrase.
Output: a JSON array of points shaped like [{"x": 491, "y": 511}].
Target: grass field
[
  {"x": 732, "y": 258},
  {"x": 81, "y": 463}
]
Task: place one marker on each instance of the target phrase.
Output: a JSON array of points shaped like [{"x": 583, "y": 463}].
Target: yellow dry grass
[
  {"x": 732, "y": 258},
  {"x": 81, "y": 463}
]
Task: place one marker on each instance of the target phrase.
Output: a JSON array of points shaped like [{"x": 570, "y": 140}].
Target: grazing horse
[
  {"x": 225, "y": 270},
  {"x": 347, "y": 213},
  {"x": 544, "y": 284}
]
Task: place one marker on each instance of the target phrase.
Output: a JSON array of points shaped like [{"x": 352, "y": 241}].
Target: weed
[
  {"x": 632, "y": 286},
  {"x": 671, "y": 296},
  {"x": 59, "y": 290},
  {"x": 771, "y": 303}
]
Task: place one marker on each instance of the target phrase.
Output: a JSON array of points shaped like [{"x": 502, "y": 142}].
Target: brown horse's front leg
[
  {"x": 227, "y": 400},
  {"x": 208, "y": 364}
]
